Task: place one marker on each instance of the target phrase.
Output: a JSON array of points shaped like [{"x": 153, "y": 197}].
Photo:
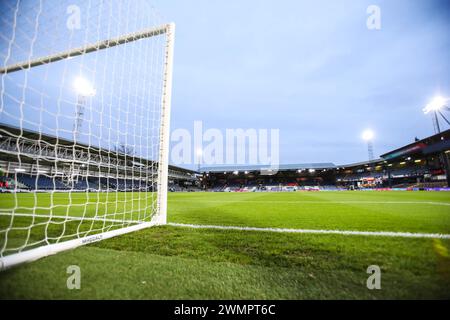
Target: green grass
[
  {"x": 49, "y": 215},
  {"x": 179, "y": 263},
  {"x": 118, "y": 205},
  {"x": 368, "y": 211}
]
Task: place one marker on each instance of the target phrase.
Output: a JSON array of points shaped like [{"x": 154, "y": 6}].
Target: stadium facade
[{"x": 31, "y": 161}]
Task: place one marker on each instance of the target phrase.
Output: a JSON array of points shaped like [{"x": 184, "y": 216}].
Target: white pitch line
[
  {"x": 321, "y": 202},
  {"x": 312, "y": 231},
  {"x": 98, "y": 218}
]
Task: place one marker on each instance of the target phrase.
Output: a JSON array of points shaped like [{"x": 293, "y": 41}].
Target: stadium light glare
[
  {"x": 436, "y": 104},
  {"x": 368, "y": 135},
  {"x": 83, "y": 87}
]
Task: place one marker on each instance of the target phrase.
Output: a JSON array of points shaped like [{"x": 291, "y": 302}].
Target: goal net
[{"x": 84, "y": 123}]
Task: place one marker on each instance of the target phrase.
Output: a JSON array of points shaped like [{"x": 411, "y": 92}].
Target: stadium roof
[
  {"x": 326, "y": 165},
  {"x": 359, "y": 164},
  {"x": 432, "y": 144},
  {"x": 10, "y": 131}
]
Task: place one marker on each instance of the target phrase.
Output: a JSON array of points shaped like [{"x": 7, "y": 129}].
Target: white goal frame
[{"x": 160, "y": 217}]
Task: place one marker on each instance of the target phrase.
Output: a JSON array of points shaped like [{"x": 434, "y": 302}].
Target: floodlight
[
  {"x": 83, "y": 87},
  {"x": 435, "y": 105},
  {"x": 368, "y": 135}
]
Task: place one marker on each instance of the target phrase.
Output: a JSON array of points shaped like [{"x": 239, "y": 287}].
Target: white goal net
[{"x": 84, "y": 122}]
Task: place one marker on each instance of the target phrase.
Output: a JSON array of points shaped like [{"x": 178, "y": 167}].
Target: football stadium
[{"x": 92, "y": 207}]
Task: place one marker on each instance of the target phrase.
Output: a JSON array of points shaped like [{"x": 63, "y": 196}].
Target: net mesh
[{"x": 79, "y": 136}]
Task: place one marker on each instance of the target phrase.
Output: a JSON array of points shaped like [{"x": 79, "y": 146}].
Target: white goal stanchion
[{"x": 84, "y": 123}]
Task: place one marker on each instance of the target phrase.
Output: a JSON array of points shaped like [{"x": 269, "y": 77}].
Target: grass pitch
[{"x": 180, "y": 263}]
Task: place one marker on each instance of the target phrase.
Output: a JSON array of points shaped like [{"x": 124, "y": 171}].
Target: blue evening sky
[{"x": 311, "y": 69}]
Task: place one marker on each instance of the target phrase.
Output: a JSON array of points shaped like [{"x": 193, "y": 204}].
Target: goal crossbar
[{"x": 104, "y": 44}]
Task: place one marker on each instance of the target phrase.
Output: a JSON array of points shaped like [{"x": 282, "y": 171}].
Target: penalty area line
[{"x": 318, "y": 231}]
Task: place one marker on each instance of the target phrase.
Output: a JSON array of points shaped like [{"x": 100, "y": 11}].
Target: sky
[
  {"x": 311, "y": 69},
  {"x": 124, "y": 109}
]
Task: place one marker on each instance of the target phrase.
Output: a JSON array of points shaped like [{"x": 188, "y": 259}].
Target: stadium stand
[
  {"x": 40, "y": 182},
  {"x": 420, "y": 165},
  {"x": 67, "y": 167}
]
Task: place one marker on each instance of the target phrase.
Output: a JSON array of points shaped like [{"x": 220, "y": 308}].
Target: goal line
[
  {"x": 318, "y": 231},
  {"x": 51, "y": 249},
  {"x": 434, "y": 203}
]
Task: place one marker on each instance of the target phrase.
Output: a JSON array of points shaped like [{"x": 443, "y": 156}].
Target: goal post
[
  {"x": 163, "y": 168},
  {"x": 84, "y": 123}
]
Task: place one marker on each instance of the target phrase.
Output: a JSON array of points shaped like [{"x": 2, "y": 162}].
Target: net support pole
[{"x": 164, "y": 134}]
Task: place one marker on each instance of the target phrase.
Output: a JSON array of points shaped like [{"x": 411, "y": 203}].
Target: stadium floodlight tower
[
  {"x": 368, "y": 136},
  {"x": 199, "y": 154},
  {"x": 437, "y": 106},
  {"x": 84, "y": 89}
]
